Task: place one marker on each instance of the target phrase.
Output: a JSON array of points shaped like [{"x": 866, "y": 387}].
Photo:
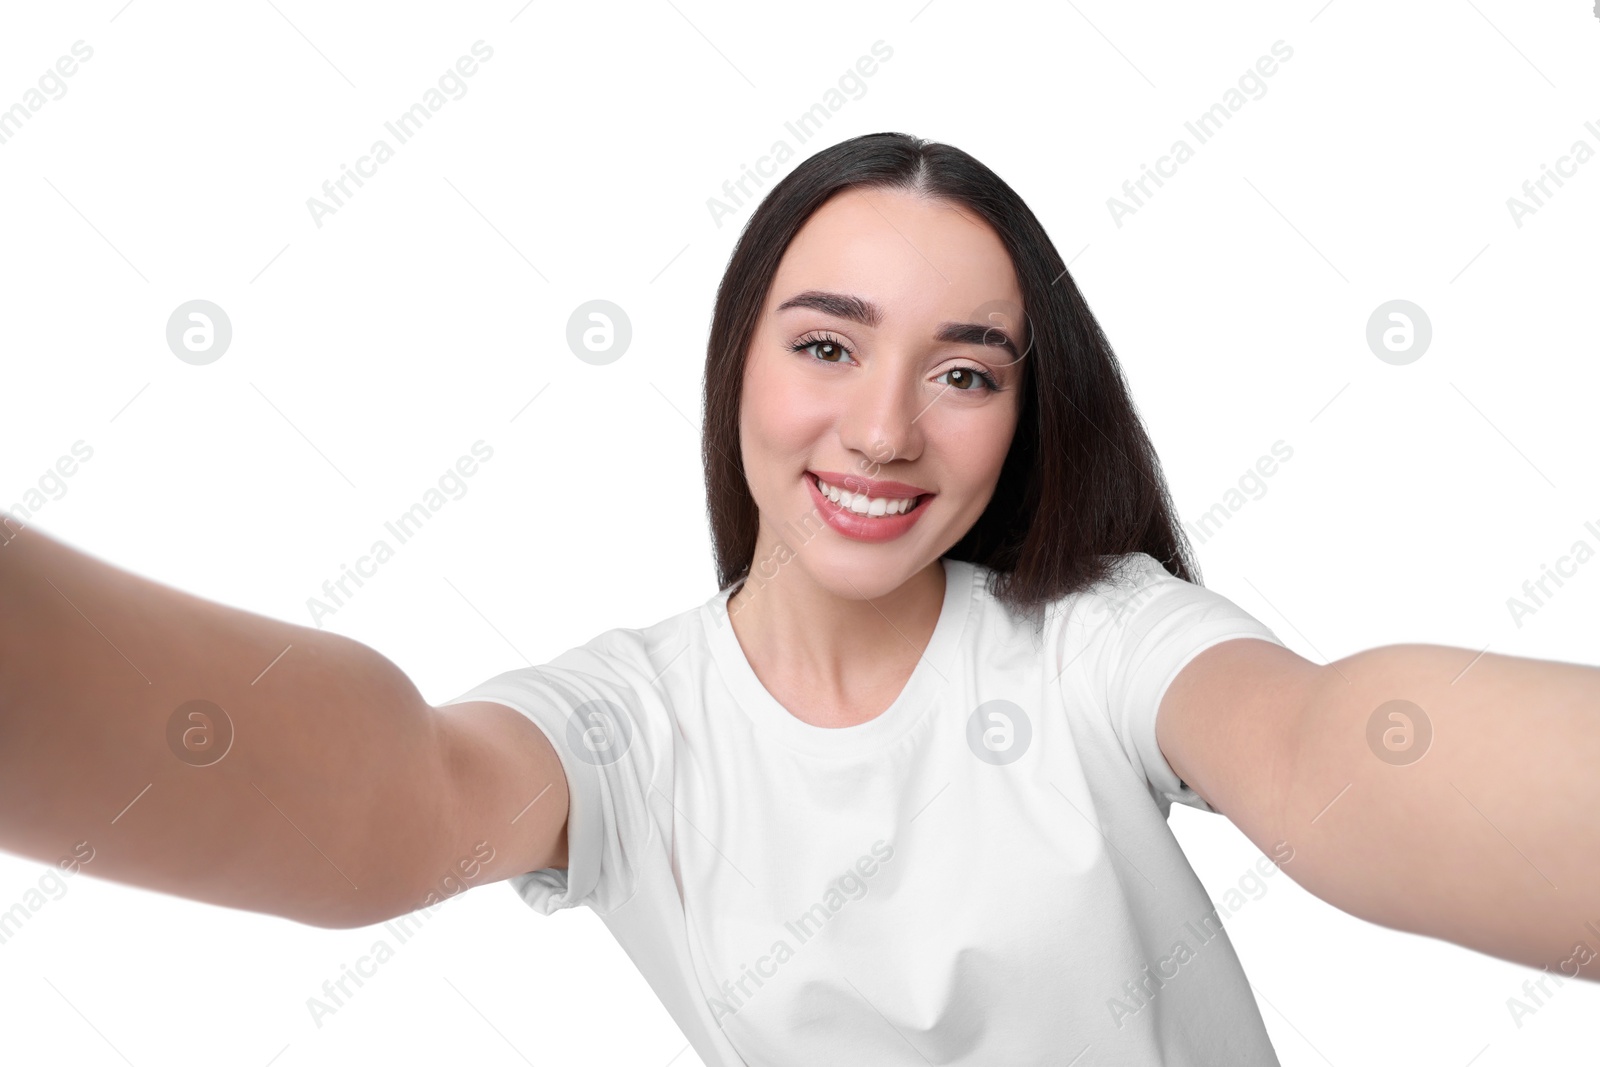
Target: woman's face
[{"x": 887, "y": 362}]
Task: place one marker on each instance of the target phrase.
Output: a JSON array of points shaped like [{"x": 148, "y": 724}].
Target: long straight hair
[{"x": 1081, "y": 484}]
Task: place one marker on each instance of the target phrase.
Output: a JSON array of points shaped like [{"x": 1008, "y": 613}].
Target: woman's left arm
[{"x": 1422, "y": 787}]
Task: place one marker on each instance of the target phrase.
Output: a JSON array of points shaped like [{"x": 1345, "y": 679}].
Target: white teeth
[{"x": 862, "y": 504}]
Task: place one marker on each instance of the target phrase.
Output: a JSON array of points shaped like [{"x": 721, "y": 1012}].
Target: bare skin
[
  {"x": 345, "y": 798},
  {"x": 1484, "y": 834},
  {"x": 836, "y": 631}
]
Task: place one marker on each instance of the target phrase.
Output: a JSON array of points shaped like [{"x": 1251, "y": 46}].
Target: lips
[
  {"x": 862, "y": 504},
  {"x": 882, "y": 518},
  {"x": 872, "y": 487}
]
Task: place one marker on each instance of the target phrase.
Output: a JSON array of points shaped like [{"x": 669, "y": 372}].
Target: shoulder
[
  {"x": 624, "y": 652},
  {"x": 623, "y": 670},
  {"x": 1140, "y": 613},
  {"x": 1126, "y": 582},
  {"x": 1132, "y": 581}
]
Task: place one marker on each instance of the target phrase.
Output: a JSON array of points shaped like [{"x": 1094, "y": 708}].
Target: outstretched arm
[
  {"x": 205, "y": 751},
  {"x": 1422, "y": 787}
]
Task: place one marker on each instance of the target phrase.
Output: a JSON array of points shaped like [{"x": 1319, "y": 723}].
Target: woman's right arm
[{"x": 342, "y": 798}]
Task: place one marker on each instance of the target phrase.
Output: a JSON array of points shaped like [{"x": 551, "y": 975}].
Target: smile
[{"x": 861, "y": 504}]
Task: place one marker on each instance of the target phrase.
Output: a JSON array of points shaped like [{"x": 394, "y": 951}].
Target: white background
[{"x": 426, "y": 314}]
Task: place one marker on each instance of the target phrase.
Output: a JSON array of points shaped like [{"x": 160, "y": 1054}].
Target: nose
[{"x": 882, "y": 418}]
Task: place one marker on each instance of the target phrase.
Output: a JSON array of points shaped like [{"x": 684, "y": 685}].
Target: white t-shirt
[{"x": 982, "y": 874}]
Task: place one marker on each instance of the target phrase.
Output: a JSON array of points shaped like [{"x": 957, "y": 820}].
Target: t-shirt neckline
[{"x": 936, "y": 669}]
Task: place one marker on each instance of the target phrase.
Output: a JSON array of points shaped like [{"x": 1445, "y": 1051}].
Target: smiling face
[{"x": 886, "y": 362}]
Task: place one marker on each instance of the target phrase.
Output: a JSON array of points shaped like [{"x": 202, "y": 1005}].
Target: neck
[{"x": 843, "y": 647}]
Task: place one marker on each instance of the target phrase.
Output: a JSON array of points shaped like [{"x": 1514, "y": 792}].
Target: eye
[
  {"x": 828, "y": 349},
  {"x": 965, "y": 379}
]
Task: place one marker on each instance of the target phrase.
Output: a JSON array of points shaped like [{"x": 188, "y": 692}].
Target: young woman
[{"x": 898, "y": 791}]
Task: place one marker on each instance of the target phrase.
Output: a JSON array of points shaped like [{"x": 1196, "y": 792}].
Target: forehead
[{"x": 915, "y": 257}]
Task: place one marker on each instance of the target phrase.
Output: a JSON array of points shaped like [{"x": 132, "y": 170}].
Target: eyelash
[{"x": 811, "y": 340}]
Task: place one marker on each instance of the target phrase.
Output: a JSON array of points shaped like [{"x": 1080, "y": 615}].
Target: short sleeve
[
  {"x": 1129, "y": 637},
  {"x": 597, "y": 718}
]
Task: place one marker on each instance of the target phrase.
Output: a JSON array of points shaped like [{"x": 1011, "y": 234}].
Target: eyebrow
[{"x": 845, "y": 306}]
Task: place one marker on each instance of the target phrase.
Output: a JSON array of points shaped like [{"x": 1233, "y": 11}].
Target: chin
[{"x": 855, "y": 571}]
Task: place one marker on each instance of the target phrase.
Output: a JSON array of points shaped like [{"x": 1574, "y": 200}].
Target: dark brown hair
[{"x": 1081, "y": 483}]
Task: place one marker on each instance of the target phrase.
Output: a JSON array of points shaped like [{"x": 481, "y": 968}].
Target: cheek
[
  {"x": 975, "y": 451},
  {"x": 999, "y": 445},
  {"x": 761, "y": 401},
  {"x": 780, "y": 413},
  {"x": 1004, "y": 433}
]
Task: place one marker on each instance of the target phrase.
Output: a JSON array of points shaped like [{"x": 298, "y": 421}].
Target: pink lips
[
  {"x": 860, "y": 483},
  {"x": 866, "y": 527}
]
